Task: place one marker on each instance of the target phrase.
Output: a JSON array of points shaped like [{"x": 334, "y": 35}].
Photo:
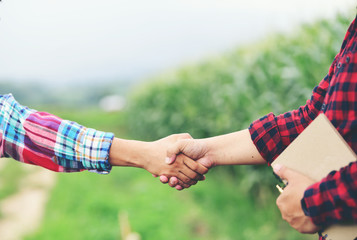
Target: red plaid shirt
[{"x": 334, "y": 198}]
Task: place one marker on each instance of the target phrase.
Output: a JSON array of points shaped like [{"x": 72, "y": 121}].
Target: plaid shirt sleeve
[
  {"x": 334, "y": 198},
  {"x": 272, "y": 134},
  {"x": 46, "y": 140}
]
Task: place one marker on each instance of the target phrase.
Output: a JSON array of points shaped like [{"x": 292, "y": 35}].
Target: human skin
[
  {"x": 289, "y": 200},
  {"x": 148, "y": 155},
  {"x": 234, "y": 148},
  {"x": 237, "y": 148}
]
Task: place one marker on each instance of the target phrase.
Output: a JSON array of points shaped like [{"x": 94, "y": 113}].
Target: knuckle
[
  {"x": 204, "y": 171},
  {"x": 186, "y": 136},
  {"x": 174, "y": 136},
  {"x": 286, "y": 218},
  {"x": 278, "y": 202}
]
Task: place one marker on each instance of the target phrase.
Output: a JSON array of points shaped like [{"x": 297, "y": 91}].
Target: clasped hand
[
  {"x": 182, "y": 169},
  {"x": 182, "y": 149},
  {"x": 289, "y": 202}
]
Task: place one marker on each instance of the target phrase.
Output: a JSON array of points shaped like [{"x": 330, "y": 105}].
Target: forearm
[
  {"x": 272, "y": 134},
  {"x": 128, "y": 153},
  {"x": 235, "y": 148},
  {"x": 150, "y": 155}
]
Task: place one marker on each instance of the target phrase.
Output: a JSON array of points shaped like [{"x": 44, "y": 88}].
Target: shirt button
[
  {"x": 339, "y": 65},
  {"x": 347, "y": 59},
  {"x": 323, "y": 107}
]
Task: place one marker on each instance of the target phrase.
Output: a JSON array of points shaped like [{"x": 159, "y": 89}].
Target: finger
[
  {"x": 283, "y": 172},
  {"x": 174, "y": 150},
  {"x": 278, "y": 202},
  {"x": 182, "y": 184},
  {"x": 170, "y": 160},
  {"x": 194, "y": 166},
  {"x": 173, "y": 181},
  {"x": 155, "y": 176},
  {"x": 205, "y": 162},
  {"x": 184, "y": 136},
  {"x": 164, "y": 179},
  {"x": 192, "y": 175},
  {"x": 179, "y": 187},
  {"x": 185, "y": 179}
]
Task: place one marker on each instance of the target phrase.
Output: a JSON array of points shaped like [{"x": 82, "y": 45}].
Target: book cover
[{"x": 317, "y": 151}]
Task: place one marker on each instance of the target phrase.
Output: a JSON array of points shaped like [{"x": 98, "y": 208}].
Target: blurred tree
[{"x": 227, "y": 93}]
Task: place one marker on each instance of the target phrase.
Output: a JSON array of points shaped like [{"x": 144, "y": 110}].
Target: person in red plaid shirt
[{"x": 306, "y": 205}]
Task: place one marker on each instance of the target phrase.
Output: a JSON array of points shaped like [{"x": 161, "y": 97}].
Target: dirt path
[{"x": 22, "y": 212}]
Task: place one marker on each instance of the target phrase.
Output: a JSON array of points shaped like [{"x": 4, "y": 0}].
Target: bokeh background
[{"x": 147, "y": 69}]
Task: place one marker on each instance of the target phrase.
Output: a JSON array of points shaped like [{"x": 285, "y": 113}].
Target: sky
[{"x": 64, "y": 41}]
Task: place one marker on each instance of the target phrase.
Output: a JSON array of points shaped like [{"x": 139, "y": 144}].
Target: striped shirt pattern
[{"x": 46, "y": 140}]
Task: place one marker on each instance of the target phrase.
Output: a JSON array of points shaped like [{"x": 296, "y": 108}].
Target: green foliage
[
  {"x": 9, "y": 177},
  {"x": 86, "y": 206},
  {"x": 220, "y": 95},
  {"x": 226, "y": 93}
]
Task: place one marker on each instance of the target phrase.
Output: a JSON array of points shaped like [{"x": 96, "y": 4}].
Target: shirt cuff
[
  {"x": 332, "y": 200},
  {"x": 95, "y": 150},
  {"x": 81, "y": 148},
  {"x": 310, "y": 205},
  {"x": 266, "y": 137}
]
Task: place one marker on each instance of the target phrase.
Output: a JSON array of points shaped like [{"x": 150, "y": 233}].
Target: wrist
[
  {"x": 210, "y": 150},
  {"x": 128, "y": 153}
]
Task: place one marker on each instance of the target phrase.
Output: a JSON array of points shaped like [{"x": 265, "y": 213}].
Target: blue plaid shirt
[{"x": 46, "y": 140}]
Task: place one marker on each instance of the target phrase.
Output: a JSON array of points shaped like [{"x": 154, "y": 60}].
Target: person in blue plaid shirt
[{"x": 43, "y": 139}]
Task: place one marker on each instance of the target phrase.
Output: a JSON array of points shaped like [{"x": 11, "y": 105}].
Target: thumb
[
  {"x": 205, "y": 162},
  {"x": 175, "y": 149},
  {"x": 283, "y": 172}
]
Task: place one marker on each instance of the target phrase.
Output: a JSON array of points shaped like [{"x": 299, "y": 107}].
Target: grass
[
  {"x": 86, "y": 205},
  {"x": 9, "y": 178}
]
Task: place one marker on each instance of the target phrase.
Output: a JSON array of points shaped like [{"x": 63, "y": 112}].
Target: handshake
[
  {"x": 191, "y": 159},
  {"x": 178, "y": 159},
  {"x": 181, "y": 161}
]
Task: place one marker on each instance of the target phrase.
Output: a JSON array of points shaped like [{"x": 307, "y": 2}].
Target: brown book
[{"x": 317, "y": 151}]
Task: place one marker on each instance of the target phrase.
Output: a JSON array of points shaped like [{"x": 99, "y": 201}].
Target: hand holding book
[{"x": 289, "y": 200}]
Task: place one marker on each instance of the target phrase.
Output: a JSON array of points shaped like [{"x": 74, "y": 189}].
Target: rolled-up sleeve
[
  {"x": 272, "y": 134},
  {"x": 334, "y": 198},
  {"x": 46, "y": 140}
]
